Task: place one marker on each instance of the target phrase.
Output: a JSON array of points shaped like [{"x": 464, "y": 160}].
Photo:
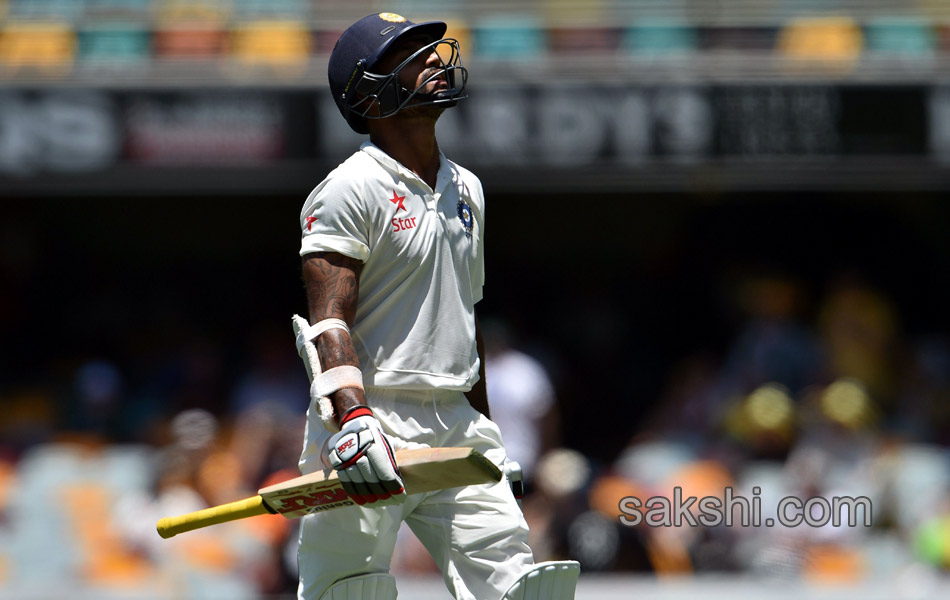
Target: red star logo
[
  {"x": 398, "y": 201},
  {"x": 310, "y": 221}
]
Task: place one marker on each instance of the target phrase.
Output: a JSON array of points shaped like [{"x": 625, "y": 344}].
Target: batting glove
[{"x": 364, "y": 460}]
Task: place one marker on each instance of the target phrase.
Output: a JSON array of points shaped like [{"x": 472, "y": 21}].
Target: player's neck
[{"x": 413, "y": 144}]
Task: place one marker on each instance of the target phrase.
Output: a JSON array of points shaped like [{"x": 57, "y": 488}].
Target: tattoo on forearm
[
  {"x": 335, "y": 348},
  {"x": 332, "y": 286},
  {"x": 331, "y": 282}
]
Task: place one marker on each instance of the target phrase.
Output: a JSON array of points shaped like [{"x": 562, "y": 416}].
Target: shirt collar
[{"x": 443, "y": 179}]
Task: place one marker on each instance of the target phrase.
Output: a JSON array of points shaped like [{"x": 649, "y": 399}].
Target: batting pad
[
  {"x": 375, "y": 586},
  {"x": 552, "y": 580}
]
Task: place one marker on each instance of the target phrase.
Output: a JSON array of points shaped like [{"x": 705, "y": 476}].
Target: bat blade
[{"x": 423, "y": 470}]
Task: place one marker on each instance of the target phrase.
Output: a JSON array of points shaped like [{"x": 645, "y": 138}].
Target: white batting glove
[{"x": 363, "y": 458}]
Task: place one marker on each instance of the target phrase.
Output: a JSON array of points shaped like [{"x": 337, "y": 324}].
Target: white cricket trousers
[{"x": 477, "y": 535}]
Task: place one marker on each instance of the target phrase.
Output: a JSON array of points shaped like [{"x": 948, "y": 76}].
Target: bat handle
[{"x": 249, "y": 507}]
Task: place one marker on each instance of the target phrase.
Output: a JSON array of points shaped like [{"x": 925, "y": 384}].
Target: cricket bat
[{"x": 422, "y": 469}]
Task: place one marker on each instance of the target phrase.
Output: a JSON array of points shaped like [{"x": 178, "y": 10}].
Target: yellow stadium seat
[
  {"x": 835, "y": 40},
  {"x": 47, "y": 47},
  {"x": 274, "y": 43}
]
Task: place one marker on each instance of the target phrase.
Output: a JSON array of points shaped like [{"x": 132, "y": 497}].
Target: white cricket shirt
[{"x": 423, "y": 265}]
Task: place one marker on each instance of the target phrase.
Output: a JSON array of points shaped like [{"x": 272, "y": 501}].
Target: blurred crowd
[
  {"x": 108, "y": 456},
  {"x": 829, "y": 400},
  {"x": 812, "y": 397}
]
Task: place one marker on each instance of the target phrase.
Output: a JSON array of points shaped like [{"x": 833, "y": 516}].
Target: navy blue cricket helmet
[{"x": 359, "y": 91}]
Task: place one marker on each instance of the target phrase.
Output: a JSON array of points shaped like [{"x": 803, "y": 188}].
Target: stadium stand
[
  {"x": 285, "y": 43},
  {"x": 274, "y": 9},
  {"x": 45, "y": 47},
  {"x": 191, "y": 31},
  {"x": 659, "y": 37},
  {"x": 728, "y": 36},
  {"x": 908, "y": 36},
  {"x": 285, "y": 31},
  {"x": 61, "y": 10},
  {"x": 114, "y": 42},
  {"x": 122, "y": 10},
  {"x": 512, "y": 38}
]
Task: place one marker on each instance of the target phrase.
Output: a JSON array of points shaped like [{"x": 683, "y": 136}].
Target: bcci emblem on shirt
[{"x": 465, "y": 216}]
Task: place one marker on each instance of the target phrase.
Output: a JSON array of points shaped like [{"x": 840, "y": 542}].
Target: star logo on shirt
[
  {"x": 398, "y": 201},
  {"x": 310, "y": 221}
]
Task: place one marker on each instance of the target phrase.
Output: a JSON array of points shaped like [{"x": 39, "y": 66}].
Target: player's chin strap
[
  {"x": 552, "y": 580},
  {"x": 375, "y": 586},
  {"x": 322, "y": 384}
]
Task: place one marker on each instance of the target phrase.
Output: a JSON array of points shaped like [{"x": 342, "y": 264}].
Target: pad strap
[
  {"x": 337, "y": 378},
  {"x": 311, "y": 332}
]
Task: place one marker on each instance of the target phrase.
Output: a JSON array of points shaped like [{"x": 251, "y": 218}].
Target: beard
[{"x": 426, "y": 111}]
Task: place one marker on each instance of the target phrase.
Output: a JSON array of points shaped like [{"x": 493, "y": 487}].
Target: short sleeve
[{"x": 333, "y": 219}]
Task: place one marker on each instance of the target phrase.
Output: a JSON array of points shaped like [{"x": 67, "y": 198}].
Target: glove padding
[{"x": 364, "y": 460}]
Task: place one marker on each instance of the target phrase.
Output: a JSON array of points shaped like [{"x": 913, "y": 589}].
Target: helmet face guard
[{"x": 378, "y": 96}]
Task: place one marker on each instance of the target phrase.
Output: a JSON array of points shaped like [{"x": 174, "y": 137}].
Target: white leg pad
[
  {"x": 375, "y": 586},
  {"x": 552, "y": 580}
]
